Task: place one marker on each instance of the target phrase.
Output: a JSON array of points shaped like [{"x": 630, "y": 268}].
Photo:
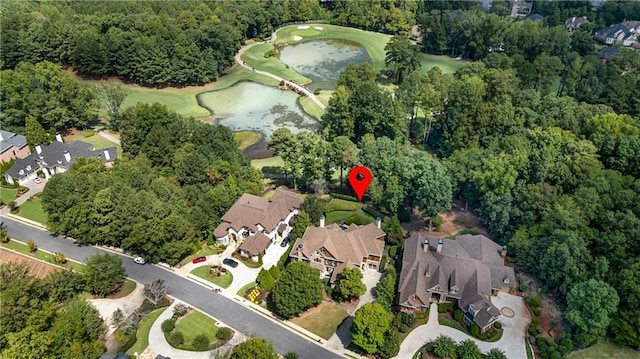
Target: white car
[
  {"x": 37, "y": 180},
  {"x": 139, "y": 260}
]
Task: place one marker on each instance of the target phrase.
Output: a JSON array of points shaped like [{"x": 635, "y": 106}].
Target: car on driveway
[
  {"x": 139, "y": 260},
  {"x": 37, "y": 180},
  {"x": 230, "y": 262},
  {"x": 199, "y": 260},
  {"x": 284, "y": 242}
]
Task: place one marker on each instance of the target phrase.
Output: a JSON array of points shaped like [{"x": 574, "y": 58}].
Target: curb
[{"x": 27, "y": 222}]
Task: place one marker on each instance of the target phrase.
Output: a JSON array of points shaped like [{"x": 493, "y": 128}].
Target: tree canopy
[
  {"x": 297, "y": 289},
  {"x": 370, "y": 323}
]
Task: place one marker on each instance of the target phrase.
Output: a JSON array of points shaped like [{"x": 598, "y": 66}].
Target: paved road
[
  {"x": 310, "y": 94},
  {"x": 228, "y": 311}
]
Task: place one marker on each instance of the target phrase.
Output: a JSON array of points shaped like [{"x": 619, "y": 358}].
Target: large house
[
  {"x": 573, "y": 23},
  {"x": 626, "y": 34},
  {"x": 13, "y": 146},
  {"x": 256, "y": 222},
  {"x": 467, "y": 270},
  {"x": 521, "y": 8},
  {"x": 330, "y": 249},
  {"x": 55, "y": 158}
]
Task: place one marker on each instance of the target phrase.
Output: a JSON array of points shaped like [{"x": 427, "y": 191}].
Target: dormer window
[
  {"x": 427, "y": 273},
  {"x": 29, "y": 168},
  {"x": 454, "y": 289},
  {"x": 21, "y": 172},
  {"x": 506, "y": 280}
]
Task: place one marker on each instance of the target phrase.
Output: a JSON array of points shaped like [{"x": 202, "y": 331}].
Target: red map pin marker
[{"x": 360, "y": 178}]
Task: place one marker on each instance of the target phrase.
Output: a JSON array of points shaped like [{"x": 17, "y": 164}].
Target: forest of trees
[{"x": 178, "y": 177}]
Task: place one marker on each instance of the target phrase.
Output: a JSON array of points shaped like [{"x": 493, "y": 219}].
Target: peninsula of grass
[
  {"x": 322, "y": 320},
  {"x": 223, "y": 281},
  {"x": 245, "y": 287},
  {"x": 194, "y": 324},
  {"x": 246, "y": 139},
  {"x": 142, "y": 341},
  {"x": 311, "y": 107}
]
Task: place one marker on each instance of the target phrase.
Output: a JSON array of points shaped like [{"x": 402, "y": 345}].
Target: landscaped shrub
[
  {"x": 445, "y": 307},
  {"x": 180, "y": 310},
  {"x": 475, "y": 329},
  {"x": 524, "y": 287},
  {"x": 535, "y": 320},
  {"x": 408, "y": 319},
  {"x": 168, "y": 325},
  {"x": 344, "y": 196},
  {"x": 536, "y": 311},
  {"x": 4, "y": 237},
  {"x": 32, "y": 246},
  {"x": 176, "y": 339},
  {"x": 13, "y": 206},
  {"x": 497, "y": 325},
  {"x": 457, "y": 315},
  {"x": 265, "y": 280},
  {"x": 534, "y": 302},
  {"x": 60, "y": 258},
  {"x": 89, "y": 133},
  {"x": 275, "y": 272},
  {"x": 533, "y": 330},
  {"x": 421, "y": 315},
  {"x": 129, "y": 343},
  {"x": 403, "y": 328},
  {"x": 200, "y": 342},
  {"x": 224, "y": 334},
  {"x": 438, "y": 222},
  {"x": 566, "y": 345}
]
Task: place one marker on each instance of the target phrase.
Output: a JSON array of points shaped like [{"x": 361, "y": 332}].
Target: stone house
[
  {"x": 330, "y": 249},
  {"x": 466, "y": 271}
]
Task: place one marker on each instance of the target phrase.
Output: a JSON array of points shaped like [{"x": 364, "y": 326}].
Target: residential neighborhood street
[{"x": 235, "y": 314}]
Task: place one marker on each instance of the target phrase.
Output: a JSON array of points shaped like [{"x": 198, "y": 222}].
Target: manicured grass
[
  {"x": 605, "y": 348},
  {"x": 244, "y": 288},
  {"x": 96, "y": 140},
  {"x": 206, "y": 250},
  {"x": 419, "y": 322},
  {"x": 142, "y": 336},
  {"x": 311, "y": 107},
  {"x": 128, "y": 288},
  {"x": 372, "y": 41},
  {"x": 223, "y": 281},
  {"x": 32, "y": 209},
  {"x": 246, "y": 139},
  {"x": 183, "y": 100},
  {"x": 7, "y": 194},
  {"x": 194, "y": 324},
  {"x": 324, "y": 96},
  {"x": 275, "y": 161},
  {"x": 341, "y": 216},
  {"x": 41, "y": 254},
  {"x": 322, "y": 320},
  {"x": 442, "y": 320}
]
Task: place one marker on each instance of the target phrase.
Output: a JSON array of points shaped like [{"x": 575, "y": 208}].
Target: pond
[
  {"x": 322, "y": 61},
  {"x": 250, "y": 106}
]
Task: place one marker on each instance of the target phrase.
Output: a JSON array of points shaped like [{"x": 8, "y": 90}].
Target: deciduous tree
[
  {"x": 297, "y": 289},
  {"x": 370, "y": 324}
]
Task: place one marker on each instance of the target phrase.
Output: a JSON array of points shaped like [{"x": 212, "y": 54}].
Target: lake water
[
  {"x": 322, "y": 61},
  {"x": 250, "y": 106}
]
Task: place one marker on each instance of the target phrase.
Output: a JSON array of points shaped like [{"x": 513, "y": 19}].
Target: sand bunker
[
  {"x": 303, "y": 27},
  {"x": 297, "y": 38},
  {"x": 318, "y": 28}
]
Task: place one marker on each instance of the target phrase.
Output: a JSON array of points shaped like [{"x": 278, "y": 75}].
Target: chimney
[
  {"x": 38, "y": 148},
  {"x": 378, "y": 222},
  {"x": 439, "y": 249},
  {"x": 106, "y": 155},
  {"x": 503, "y": 252},
  {"x": 425, "y": 245},
  {"x": 67, "y": 156},
  {"x": 322, "y": 221},
  {"x": 59, "y": 137}
]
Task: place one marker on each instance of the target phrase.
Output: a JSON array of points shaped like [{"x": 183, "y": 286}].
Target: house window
[{"x": 317, "y": 260}]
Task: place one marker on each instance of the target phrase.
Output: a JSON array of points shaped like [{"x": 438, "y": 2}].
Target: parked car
[
  {"x": 230, "y": 262},
  {"x": 199, "y": 260},
  {"x": 37, "y": 180},
  {"x": 139, "y": 260},
  {"x": 284, "y": 242}
]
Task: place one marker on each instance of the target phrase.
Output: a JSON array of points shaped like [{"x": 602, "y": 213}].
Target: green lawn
[
  {"x": 275, "y": 161},
  {"x": 244, "y": 288},
  {"x": 246, "y": 139},
  {"x": 142, "y": 341},
  {"x": 7, "y": 194},
  {"x": 311, "y": 107},
  {"x": 129, "y": 286},
  {"x": 203, "y": 252},
  {"x": 447, "y": 64},
  {"x": 32, "y": 209},
  {"x": 605, "y": 348},
  {"x": 340, "y": 210},
  {"x": 41, "y": 254},
  {"x": 196, "y": 323},
  {"x": 322, "y": 320},
  {"x": 223, "y": 281},
  {"x": 96, "y": 140}
]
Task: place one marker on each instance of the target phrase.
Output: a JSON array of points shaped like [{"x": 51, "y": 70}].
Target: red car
[{"x": 199, "y": 260}]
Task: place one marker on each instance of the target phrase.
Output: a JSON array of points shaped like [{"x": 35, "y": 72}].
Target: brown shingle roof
[
  {"x": 471, "y": 263},
  {"x": 250, "y": 210},
  {"x": 348, "y": 247},
  {"x": 255, "y": 245}
]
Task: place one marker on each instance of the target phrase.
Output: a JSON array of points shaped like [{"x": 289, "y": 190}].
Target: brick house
[{"x": 13, "y": 146}]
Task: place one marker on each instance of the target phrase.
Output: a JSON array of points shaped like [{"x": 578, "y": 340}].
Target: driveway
[
  {"x": 127, "y": 305},
  {"x": 512, "y": 341}
]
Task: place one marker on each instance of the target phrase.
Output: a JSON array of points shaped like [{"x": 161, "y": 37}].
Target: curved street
[{"x": 238, "y": 316}]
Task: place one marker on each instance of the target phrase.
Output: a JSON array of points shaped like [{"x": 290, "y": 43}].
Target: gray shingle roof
[{"x": 10, "y": 139}]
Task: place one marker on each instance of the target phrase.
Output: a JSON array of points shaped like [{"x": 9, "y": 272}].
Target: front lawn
[
  {"x": 206, "y": 250},
  {"x": 605, "y": 348},
  {"x": 194, "y": 324},
  {"x": 144, "y": 327},
  {"x": 32, "y": 209},
  {"x": 323, "y": 319},
  {"x": 223, "y": 281},
  {"x": 244, "y": 288},
  {"x": 270, "y": 162},
  {"x": 7, "y": 194}
]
